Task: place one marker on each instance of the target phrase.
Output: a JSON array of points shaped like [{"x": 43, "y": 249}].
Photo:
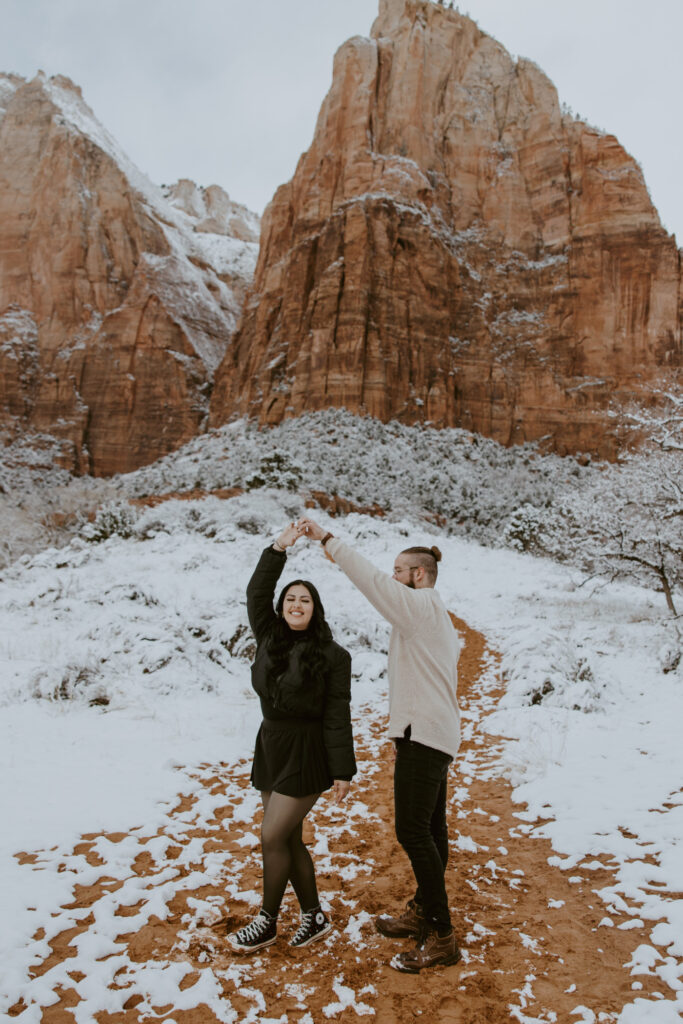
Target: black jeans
[{"x": 420, "y": 784}]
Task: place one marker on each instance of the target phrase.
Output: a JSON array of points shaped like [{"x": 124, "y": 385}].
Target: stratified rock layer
[
  {"x": 116, "y": 302},
  {"x": 455, "y": 249}
]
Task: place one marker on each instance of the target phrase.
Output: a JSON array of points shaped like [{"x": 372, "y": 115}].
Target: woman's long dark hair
[{"x": 317, "y": 633}]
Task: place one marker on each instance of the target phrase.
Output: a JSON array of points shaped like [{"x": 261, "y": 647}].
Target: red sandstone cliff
[
  {"x": 453, "y": 248},
  {"x": 117, "y": 300}
]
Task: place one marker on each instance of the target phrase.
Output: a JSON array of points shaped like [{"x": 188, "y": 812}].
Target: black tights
[{"x": 285, "y": 857}]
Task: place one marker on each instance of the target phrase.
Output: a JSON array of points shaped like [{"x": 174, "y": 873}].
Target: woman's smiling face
[{"x": 297, "y": 608}]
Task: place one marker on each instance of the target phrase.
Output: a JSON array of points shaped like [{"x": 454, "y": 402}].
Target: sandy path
[{"x": 533, "y": 950}]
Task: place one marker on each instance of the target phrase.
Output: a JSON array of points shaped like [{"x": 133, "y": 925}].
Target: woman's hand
[
  {"x": 341, "y": 789},
  {"x": 290, "y": 535}
]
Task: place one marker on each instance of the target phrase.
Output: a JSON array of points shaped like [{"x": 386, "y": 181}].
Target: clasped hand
[
  {"x": 311, "y": 528},
  {"x": 302, "y": 527}
]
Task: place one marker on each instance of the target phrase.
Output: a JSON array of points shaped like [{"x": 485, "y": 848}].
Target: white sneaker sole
[{"x": 237, "y": 948}]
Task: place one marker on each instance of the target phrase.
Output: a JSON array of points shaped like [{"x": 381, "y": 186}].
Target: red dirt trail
[{"x": 533, "y": 949}]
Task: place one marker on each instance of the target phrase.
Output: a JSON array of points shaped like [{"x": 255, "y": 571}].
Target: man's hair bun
[{"x": 425, "y": 558}]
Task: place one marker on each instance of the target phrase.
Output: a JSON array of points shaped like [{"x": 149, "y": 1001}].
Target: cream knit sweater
[{"x": 423, "y": 652}]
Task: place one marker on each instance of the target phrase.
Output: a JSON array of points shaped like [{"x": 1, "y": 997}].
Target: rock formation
[
  {"x": 213, "y": 210},
  {"x": 117, "y": 302},
  {"x": 455, "y": 249}
]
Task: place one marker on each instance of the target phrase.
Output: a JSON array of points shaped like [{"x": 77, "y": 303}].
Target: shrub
[{"x": 115, "y": 519}]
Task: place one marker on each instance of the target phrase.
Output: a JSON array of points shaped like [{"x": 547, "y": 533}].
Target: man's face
[{"x": 404, "y": 571}]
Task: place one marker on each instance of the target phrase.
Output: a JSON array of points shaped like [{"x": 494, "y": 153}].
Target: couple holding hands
[{"x": 305, "y": 744}]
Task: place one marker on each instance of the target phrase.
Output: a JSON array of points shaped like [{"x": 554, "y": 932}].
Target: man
[{"x": 424, "y": 722}]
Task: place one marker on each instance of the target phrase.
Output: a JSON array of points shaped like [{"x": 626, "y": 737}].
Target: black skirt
[{"x": 290, "y": 758}]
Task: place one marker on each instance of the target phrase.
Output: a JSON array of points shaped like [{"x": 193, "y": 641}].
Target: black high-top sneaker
[
  {"x": 314, "y": 924},
  {"x": 260, "y": 932}
]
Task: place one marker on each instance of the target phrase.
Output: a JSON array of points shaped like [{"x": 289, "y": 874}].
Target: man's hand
[
  {"x": 341, "y": 789},
  {"x": 311, "y": 528}
]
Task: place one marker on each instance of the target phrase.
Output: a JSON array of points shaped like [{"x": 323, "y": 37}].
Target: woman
[{"x": 305, "y": 743}]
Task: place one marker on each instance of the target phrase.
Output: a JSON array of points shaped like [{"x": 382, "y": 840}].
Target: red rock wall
[
  {"x": 108, "y": 335},
  {"x": 454, "y": 249}
]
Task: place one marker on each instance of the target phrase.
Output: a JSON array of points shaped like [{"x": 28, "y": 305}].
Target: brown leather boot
[
  {"x": 433, "y": 951},
  {"x": 409, "y": 924}
]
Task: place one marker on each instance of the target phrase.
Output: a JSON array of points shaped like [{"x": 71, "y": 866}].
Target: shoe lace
[
  {"x": 255, "y": 929},
  {"x": 307, "y": 922}
]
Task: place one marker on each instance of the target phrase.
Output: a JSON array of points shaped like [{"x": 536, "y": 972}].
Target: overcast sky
[{"x": 228, "y": 91}]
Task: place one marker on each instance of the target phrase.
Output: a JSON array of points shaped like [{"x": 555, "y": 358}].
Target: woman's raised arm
[{"x": 261, "y": 586}]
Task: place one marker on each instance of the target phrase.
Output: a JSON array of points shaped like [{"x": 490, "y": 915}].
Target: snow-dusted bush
[
  {"x": 115, "y": 519},
  {"x": 658, "y": 420},
  {"x": 524, "y": 529},
  {"x": 669, "y": 656},
  {"x": 241, "y": 644},
  {"x": 78, "y": 682},
  {"x": 550, "y": 530},
  {"x": 22, "y": 527},
  {"x": 628, "y": 523},
  {"x": 276, "y": 470},
  {"x": 548, "y": 669}
]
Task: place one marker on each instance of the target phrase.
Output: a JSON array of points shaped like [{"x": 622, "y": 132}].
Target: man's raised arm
[{"x": 396, "y": 603}]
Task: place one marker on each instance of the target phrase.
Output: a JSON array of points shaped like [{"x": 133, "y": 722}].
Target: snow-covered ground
[{"x": 124, "y": 666}]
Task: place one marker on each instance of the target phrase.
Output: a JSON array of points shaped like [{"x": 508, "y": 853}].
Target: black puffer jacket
[{"x": 286, "y": 696}]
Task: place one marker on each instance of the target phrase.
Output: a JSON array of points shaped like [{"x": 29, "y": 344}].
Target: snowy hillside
[{"x": 621, "y": 520}]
